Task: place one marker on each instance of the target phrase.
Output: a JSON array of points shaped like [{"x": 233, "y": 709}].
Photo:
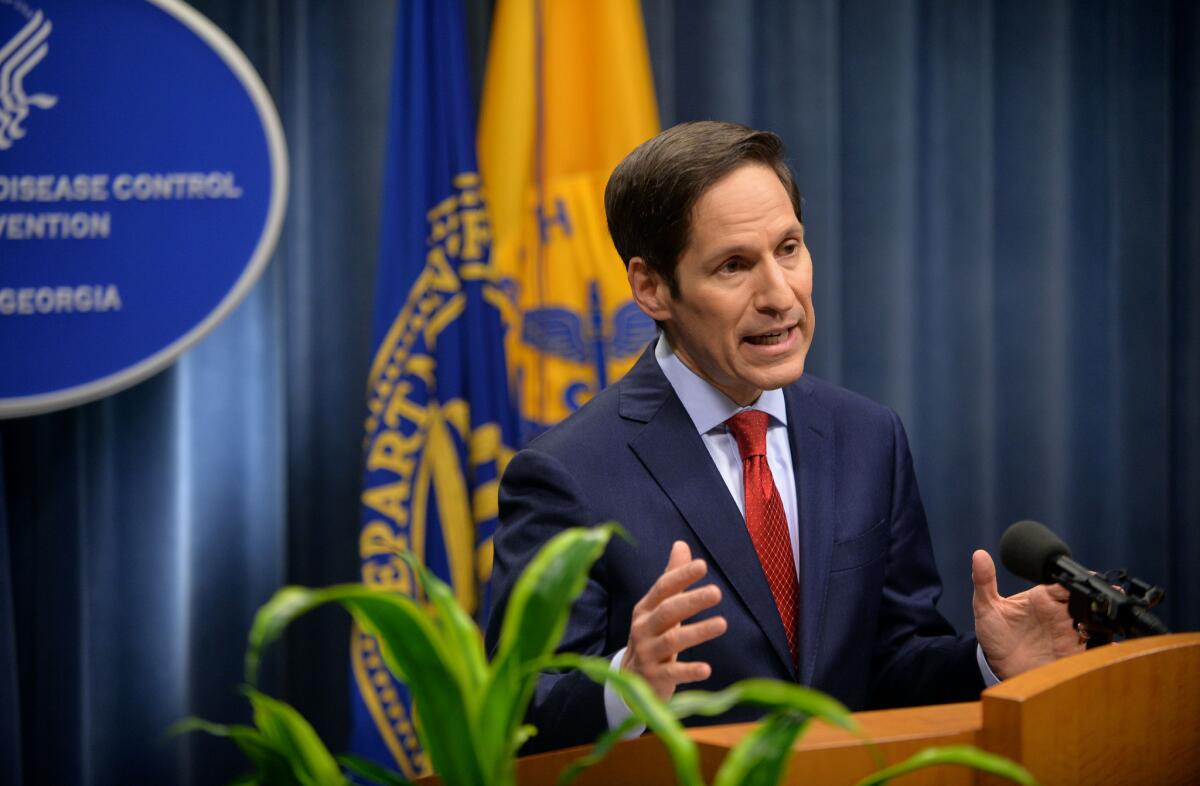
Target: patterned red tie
[{"x": 765, "y": 518}]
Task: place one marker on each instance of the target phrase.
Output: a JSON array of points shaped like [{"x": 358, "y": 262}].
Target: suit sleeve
[
  {"x": 539, "y": 499},
  {"x": 918, "y": 659}
]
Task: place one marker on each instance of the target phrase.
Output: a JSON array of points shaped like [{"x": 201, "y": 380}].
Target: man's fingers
[
  {"x": 673, "y": 581},
  {"x": 680, "y": 555},
  {"x": 687, "y": 671},
  {"x": 679, "y": 671},
  {"x": 657, "y": 635},
  {"x": 678, "y": 608},
  {"x": 679, "y": 639},
  {"x": 983, "y": 576}
]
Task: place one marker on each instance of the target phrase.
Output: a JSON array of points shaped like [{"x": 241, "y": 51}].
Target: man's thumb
[{"x": 983, "y": 575}]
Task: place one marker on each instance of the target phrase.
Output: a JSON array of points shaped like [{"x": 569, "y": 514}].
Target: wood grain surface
[{"x": 1126, "y": 713}]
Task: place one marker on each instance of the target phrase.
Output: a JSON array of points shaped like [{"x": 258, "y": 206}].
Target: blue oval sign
[{"x": 143, "y": 178}]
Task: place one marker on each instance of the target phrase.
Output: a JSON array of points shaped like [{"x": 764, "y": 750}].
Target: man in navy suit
[{"x": 777, "y": 526}]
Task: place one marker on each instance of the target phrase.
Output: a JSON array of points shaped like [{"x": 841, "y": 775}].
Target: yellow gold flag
[{"x": 568, "y": 94}]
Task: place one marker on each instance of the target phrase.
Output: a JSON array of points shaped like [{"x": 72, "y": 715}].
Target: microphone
[{"x": 1031, "y": 551}]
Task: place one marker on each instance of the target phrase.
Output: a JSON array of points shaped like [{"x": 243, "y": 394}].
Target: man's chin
[
  {"x": 791, "y": 370},
  {"x": 779, "y": 378}
]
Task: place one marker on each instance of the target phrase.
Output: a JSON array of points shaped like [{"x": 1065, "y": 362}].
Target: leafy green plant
[
  {"x": 283, "y": 747},
  {"x": 469, "y": 712}
]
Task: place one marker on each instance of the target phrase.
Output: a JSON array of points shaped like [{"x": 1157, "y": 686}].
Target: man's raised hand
[
  {"x": 1021, "y": 631},
  {"x": 657, "y": 632}
]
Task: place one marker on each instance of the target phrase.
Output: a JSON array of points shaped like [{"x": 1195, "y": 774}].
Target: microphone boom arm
[{"x": 1113, "y": 604}]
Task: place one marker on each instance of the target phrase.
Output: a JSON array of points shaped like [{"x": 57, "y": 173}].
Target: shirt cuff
[
  {"x": 989, "y": 676},
  {"x": 614, "y": 706}
]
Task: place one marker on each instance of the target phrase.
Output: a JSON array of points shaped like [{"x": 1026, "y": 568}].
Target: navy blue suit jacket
[{"x": 870, "y": 634}]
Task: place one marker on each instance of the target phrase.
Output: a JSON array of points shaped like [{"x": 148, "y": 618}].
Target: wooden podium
[
  {"x": 1127, "y": 713},
  {"x": 1124, "y": 713}
]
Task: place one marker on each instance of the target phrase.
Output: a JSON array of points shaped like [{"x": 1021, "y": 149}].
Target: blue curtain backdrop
[{"x": 1003, "y": 204}]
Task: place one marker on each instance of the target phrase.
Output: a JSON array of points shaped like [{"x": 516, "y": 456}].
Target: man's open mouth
[{"x": 772, "y": 337}]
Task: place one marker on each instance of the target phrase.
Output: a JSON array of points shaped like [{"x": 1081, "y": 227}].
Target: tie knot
[{"x": 749, "y": 429}]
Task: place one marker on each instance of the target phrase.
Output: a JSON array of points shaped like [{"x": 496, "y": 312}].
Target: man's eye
[
  {"x": 731, "y": 265},
  {"x": 787, "y": 249}
]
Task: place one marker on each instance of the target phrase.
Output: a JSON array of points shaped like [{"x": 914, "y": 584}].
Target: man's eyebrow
[
  {"x": 735, "y": 249},
  {"x": 795, "y": 230},
  {"x": 728, "y": 251}
]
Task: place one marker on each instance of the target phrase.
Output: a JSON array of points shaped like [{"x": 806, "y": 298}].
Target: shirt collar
[{"x": 705, "y": 405}]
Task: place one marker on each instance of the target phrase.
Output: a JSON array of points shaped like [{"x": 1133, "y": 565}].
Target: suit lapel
[
  {"x": 675, "y": 456},
  {"x": 813, "y": 460}
]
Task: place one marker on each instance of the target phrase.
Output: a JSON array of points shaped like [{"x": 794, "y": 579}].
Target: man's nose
[{"x": 774, "y": 292}]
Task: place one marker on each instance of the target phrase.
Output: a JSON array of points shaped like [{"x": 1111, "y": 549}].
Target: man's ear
[{"x": 649, "y": 290}]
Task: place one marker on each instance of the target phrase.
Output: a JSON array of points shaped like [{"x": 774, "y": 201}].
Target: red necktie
[{"x": 765, "y": 518}]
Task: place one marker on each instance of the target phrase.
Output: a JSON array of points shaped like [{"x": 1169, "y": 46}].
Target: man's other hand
[
  {"x": 657, "y": 633},
  {"x": 1022, "y": 631}
]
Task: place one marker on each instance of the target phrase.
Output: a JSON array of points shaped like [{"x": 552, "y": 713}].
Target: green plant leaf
[
  {"x": 274, "y": 616},
  {"x": 600, "y": 748},
  {"x": 522, "y": 736},
  {"x": 287, "y": 731},
  {"x": 368, "y": 769},
  {"x": 768, "y": 694},
  {"x": 533, "y": 625},
  {"x": 459, "y": 631},
  {"x": 963, "y": 755},
  {"x": 192, "y": 723},
  {"x": 541, "y": 600},
  {"x": 761, "y": 757},
  {"x": 271, "y": 763},
  {"x": 443, "y": 708},
  {"x": 646, "y": 706},
  {"x": 505, "y": 699},
  {"x": 414, "y": 651},
  {"x": 467, "y": 716}
]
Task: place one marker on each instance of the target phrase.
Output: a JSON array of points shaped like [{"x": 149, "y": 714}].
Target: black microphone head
[{"x": 1027, "y": 549}]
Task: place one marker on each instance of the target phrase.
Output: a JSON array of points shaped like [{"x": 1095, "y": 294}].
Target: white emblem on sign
[{"x": 18, "y": 57}]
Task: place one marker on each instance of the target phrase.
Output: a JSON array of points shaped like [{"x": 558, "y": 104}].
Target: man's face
[{"x": 743, "y": 317}]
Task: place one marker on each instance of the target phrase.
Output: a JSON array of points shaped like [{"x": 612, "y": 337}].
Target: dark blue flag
[{"x": 439, "y": 426}]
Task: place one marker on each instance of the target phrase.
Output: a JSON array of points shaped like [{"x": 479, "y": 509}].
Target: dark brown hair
[{"x": 650, "y": 195}]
